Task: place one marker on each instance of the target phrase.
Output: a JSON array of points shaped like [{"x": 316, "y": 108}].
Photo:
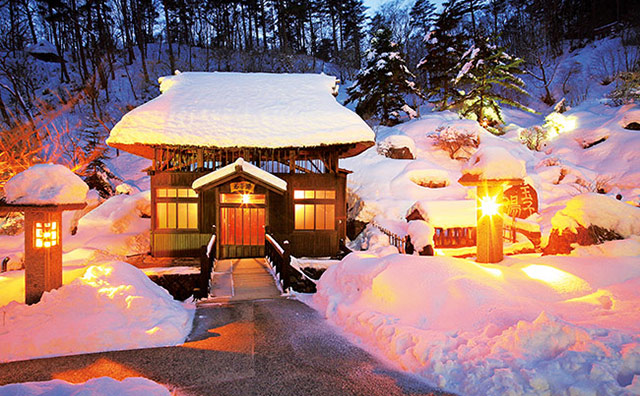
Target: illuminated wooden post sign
[
  {"x": 42, "y": 246},
  {"x": 489, "y": 217}
]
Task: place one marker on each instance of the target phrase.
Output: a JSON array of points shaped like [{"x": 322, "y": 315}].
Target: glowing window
[
  {"x": 314, "y": 216},
  {"x": 242, "y": 198},
  {"x": 177, "y": 208},
  {"x": 314, "y": 194},
  {"x": 47, "y": 235}
]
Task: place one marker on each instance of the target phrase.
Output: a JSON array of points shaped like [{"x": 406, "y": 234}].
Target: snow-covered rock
[
  {"x": 397, "y": 147},
  {"x": 112, "y": 306},
  {"x": 44, "y": 184}
]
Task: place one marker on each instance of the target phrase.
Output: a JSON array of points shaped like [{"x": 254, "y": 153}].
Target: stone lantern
[
  {"x": 43, "y": 221},
  {"x": 489, "y": 217},
  {"x": 490, "y": 170}
]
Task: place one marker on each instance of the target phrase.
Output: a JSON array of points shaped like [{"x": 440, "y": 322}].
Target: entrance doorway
[{"x": 242, "y": 226}]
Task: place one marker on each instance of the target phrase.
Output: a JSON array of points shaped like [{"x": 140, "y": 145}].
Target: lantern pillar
[
  {"x": 43, "y": 253},
  {"x": 489, "y": 226}
]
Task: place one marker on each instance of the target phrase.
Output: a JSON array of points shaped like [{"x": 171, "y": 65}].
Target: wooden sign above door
[{"x": 243, "y": 187}]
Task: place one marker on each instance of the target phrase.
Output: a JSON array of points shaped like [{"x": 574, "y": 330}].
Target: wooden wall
[{"x": 279, "y": 219}]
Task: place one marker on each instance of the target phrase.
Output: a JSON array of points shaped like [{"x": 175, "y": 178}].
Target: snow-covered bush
[
  {"x": 627, "y": 89},
  {"x": 459, "y": 144},
  {"x": 421, "y": 234},
  {"x": 556, "y": 124},
  {"x": 533, "y": 137}
]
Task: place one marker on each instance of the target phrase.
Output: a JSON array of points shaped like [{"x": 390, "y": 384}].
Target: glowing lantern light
[
  {"x": 489, "y": 206},
  {"x": 46, "y": 235},
  {"x": 246, "y": 198}
]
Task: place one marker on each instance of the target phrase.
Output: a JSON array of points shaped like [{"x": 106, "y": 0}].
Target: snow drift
[
  {"x": 535, "y": 326},
  {"x": 113, "y": 306}
]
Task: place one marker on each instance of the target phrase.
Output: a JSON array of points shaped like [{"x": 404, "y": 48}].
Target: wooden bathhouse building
[{"x": 238, "y": 153}]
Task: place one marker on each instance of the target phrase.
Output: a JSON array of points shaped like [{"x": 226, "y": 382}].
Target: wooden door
[{"x": 242, "y": 231}]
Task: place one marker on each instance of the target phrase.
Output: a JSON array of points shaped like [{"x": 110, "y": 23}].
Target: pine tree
[
  {"x": 381, "y": 88},
  {"x": 443, "y": 45},
  {"x": 96, "y": 173},
  {"x": 485, "y": 73},
  {"x": 422, "y": 16}
]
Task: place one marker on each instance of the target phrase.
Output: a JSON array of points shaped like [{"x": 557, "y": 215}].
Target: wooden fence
[
  {"x": 454, "y": 237},
  {"x": 403, "y": 244}
]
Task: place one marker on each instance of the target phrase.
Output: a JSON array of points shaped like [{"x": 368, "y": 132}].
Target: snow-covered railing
[
  {"x": 402, "y": 243},
  {"x": 208, "y": 257},
  {"x": 280, "y": 259}
]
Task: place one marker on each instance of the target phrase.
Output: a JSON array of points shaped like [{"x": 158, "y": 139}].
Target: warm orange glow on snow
[
  {"x": 559, "y": 280},
  {"x": 235, "y": 337},
  {"x": 489, "y": 206},
  {"x": 100, "y": 368}
]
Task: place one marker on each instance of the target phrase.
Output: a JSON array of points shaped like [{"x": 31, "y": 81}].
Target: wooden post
[
  {"x": 286, "y": 262},
  {"x": 489, "y": 232}
]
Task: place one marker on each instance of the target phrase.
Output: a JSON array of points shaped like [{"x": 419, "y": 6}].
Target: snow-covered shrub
[
  {"x": 421, "y": 234},
  {"x": 627, "y": 89},
  {"x": 556, "y": 124},
  {"x": 397, "y": 147},
  {"x": 602, "y": 184},
  {"x": 459, "y": 144},
  {"x": 533, "y": 137}
]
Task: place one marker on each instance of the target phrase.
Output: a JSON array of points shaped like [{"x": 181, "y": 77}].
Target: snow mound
[
  {"x": 421, "y": 234},
  {"x": 535, "y": 326},
  {"x": 118, "y": 212},
  {"x": 494, "y": 162},
  {"x": 598, "y": 210},
  {"x": 112, "y": 306},
  {"x": 103, "y": 386},
  {"x": 42, "y": 47},
  {"x": 242, "y": 110},
  {"x": 45, "y": 184}
]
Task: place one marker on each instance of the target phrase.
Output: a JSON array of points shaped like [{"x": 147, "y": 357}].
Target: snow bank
[
  {"x": 120, "y": 226},
  {"x": 493, "y": 162},
  {"x": 46, "y": 184},
  {"x": 599, "y": 210},
  {"x": 112, "y": 306},
  {"x": 242, "y": 109},
  {"x": 103, "y": 386},
  {"x": 536, "y": 326}
]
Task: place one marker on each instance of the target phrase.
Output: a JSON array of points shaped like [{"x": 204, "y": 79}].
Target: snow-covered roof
[
  {"x": 242, "y": 110},
  {"x": 240, "y": 165},
  {"x": 447, "y": 214}
]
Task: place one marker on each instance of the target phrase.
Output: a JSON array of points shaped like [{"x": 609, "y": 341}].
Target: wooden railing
[
  {"x": 208, "y": 257},
  {"x": 279, "y": 258},
  {"x": 403, "y": 244},
  {"x": 454, "y": 237}
]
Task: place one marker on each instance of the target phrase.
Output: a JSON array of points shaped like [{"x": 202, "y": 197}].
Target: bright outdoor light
[
  {"x": 489, "y": 206},
  {"x": 46, "y": 234},
  {"x": 557, "y": 279}
]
